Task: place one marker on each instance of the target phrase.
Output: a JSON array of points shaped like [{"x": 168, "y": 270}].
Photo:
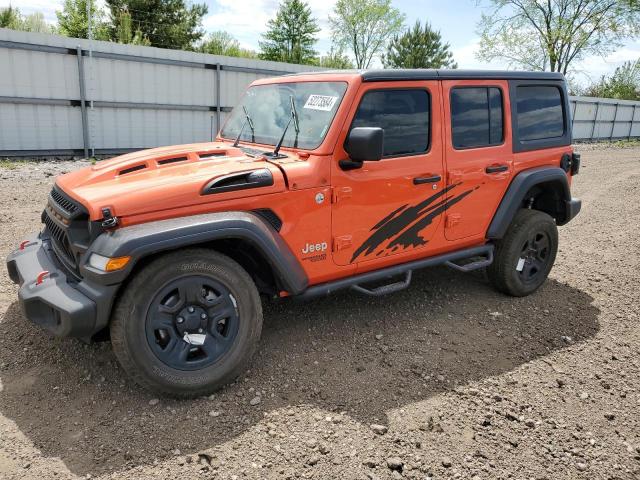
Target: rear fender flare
[
  {"x": 515, "y": 195},
  {"x": 139, "y": 241}
]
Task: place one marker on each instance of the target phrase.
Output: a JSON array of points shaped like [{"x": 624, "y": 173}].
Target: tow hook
[
  {"x": 108, "y": 220},
  {"x": 41, "y": 276}
]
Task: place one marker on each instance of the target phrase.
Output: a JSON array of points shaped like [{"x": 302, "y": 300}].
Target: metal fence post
[
  {"x": 613, "y": 125},
  {"x": 218, "y": 107},
  {"x": 573, "y": 115},
  {"x": 83, "y": 103},
  {"x": 633, "y": 116},
  {"x": 595, "y": 121}
]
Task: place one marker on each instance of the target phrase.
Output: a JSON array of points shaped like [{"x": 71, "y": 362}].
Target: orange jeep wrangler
[{"x": 316, "y": 183}]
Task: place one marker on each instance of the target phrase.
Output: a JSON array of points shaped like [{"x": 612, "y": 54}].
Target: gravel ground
[{"x": 447, "y": 379}]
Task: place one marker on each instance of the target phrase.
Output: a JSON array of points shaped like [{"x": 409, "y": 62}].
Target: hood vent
[
  {"x": 167, "y": 161},
  {"x": 135, "y": 168},
  {"x": 239, "y": 181},
  {"x": 204, "y": 156}
]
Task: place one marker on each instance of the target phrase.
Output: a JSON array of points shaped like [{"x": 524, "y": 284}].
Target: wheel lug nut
[
  {"x": 191, "y": 309},
  {"x": 203, "y": 316},
  {"x": 180, "y": 319},
  {"x": 200, "y": 330}
]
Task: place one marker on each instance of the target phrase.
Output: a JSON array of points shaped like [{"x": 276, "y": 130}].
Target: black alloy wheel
[
  {"x": 187, "y": 323},
  {"x": 192, "y": 322},
  {"x": 535, "y": 257},
  {"x": 525, "y": 255}
]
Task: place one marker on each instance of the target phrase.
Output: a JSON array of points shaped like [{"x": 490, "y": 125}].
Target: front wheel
[
  {"x": 524, "y": 257},
  {"x": 187, "y": 323}
]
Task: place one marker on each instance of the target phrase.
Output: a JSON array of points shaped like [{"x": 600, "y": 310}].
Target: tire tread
[
  {"x": 499, "y": 271},
  {"x": 125, "y": 309}
]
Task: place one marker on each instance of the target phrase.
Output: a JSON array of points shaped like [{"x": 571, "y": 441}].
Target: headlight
[{"x": 107, "y": 264}]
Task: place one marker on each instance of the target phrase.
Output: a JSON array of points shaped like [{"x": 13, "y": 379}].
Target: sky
[{"x": 456, "y": 19}]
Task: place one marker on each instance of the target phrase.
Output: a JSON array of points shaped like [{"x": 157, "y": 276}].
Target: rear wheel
[
  {"x": 188, "y": 323},
  {"x": 524, "y": 257}
]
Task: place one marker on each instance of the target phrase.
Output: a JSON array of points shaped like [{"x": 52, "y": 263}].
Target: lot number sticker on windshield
[{"x": 320, "y": 102}]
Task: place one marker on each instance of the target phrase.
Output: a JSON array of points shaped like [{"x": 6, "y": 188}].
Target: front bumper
[{"x": 60, "y": 304}]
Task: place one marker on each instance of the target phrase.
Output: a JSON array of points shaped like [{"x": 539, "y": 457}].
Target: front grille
[
  {"x": 60, "y": 240},
  {"x": 65, "y": 220},
  {"x": 64, "y": 203}
]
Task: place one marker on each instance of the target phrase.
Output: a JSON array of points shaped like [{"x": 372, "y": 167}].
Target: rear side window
[
  {"x": 476, "y": 116},
  {"x": 403, "y": 114},
  {"x": 539, "y": 111}
]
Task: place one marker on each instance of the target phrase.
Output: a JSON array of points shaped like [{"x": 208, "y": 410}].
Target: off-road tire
[
  {"x": 503, "y": 273},
  {"x": 128, "y": 323}
]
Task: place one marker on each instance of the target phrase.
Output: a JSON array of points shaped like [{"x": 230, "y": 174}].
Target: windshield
[{"x": 269, "y": 108}]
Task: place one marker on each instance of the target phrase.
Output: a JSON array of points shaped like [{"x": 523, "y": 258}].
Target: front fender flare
[{"x": 139, "y": 241}]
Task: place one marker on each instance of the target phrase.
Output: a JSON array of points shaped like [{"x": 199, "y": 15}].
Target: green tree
[
  {"x": 223, "y": 43},
  {"x": 364, "y": 27},
  {"x": 419, "y": 47},
  {"x": 35, "y": 22},
  {"x": 10, "y": 18},
  {"x": 623, "y": 84},
  {"x": 73, "y": 20},
  {"x": 126, "y": 34},
  {"x": 552, "y": 35},
  {"x": 164, "y": 23},
  {"x": 291, "y": 34},
  {"x": 335, "y": 59}
]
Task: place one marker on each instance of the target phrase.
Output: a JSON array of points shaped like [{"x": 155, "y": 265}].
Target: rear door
[
  {"x": 478, "y": 153},
  {"x": 390, "y": 207}
]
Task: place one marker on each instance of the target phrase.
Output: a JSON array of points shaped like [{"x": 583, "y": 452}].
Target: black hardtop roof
[{"x": 433, "y": 74}]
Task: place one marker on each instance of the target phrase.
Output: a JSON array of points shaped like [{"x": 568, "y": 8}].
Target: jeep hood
[{"x": 170, "y": 177}]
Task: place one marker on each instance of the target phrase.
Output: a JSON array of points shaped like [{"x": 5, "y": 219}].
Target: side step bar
[
  {"x": 385, "y": 289},
  {"x": 355, "y": 282},
  {"x": 469, "y": 267}
]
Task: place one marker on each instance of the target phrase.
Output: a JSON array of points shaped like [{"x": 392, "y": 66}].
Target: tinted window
[
  {"x": 476, "y": 116},
  {"x": 539, "y": 112},
  {"x": 404, "y": 116}
]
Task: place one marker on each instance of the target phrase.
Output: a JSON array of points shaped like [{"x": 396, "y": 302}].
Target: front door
[
  {"x": 478, "y": 154},
  {"x": 392, "y": 206}
]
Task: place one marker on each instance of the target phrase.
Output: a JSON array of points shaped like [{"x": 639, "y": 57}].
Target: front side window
[
  {"x": 269, "y": 107},
  {"x": 404, "y": 115},
  {"x": 540, "y": 114},
  {"x": 476, "y": 116}
]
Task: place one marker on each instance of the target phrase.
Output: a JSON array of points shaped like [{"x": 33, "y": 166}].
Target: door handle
[
  {"x": 431, "y": 179},
  {"x": 496, "y": 168}
]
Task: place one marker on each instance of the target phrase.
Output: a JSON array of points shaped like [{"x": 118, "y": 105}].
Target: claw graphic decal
[{"x": 402, "y": 227}]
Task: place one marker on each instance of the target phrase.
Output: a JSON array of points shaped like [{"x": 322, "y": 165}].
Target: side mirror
[{"x": 365, "y": 144}]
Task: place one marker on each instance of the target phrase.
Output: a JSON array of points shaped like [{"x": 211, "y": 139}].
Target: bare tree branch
[{"x": 567, "y": 30}]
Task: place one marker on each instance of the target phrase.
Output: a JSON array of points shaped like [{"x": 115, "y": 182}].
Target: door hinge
[
  {"x": 453, "y": 178},
  {"x": 339, "y": 193},
  {"x": 342, "y": 243},
  {"x": 452, "y": 219}
]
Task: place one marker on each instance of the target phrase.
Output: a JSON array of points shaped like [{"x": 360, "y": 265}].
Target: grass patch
[
  {"x": 634, "y": 142},
  {"x": 6, "y": 164}
]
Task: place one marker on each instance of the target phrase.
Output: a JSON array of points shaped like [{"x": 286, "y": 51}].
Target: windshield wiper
[
  {"x": 296, "y": 125},
  {"x": 247, "y": 121}
]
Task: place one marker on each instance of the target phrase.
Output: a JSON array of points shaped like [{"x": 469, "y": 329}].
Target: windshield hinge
[{"x": 108, "y": 220}]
